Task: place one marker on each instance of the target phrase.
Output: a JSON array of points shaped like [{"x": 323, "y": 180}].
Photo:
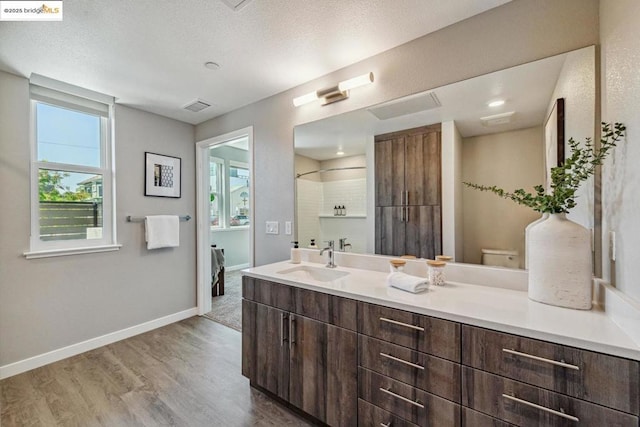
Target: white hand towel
[
  {"x": 407, "y": 282},
  {"x": 162, "y": 231}
]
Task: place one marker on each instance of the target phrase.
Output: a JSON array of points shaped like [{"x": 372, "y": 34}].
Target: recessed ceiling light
[
  {"x": 212, "y": 65},
  {"x": 496, "y": 103},
  {"x": 339, "y": 153}
]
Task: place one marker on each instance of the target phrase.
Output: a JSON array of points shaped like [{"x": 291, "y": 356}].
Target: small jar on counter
[
  {"x": 435, "y": 272},
  {"x": 397, "y": 265}
]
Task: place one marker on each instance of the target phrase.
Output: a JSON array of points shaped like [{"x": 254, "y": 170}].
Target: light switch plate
[
  {"x": 287, "y": 227},
  {"x": 272, "y": 227}
]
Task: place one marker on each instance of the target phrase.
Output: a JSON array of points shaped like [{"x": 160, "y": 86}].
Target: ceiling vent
[
  {"x": 197, "y": 105},
  {"x": 413, "y": 104},
  {"x": 497, "y": 119},
  {"x": 236, "y": 5}
]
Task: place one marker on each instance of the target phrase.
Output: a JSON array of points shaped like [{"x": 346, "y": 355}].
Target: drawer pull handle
[
  {"x": 388, "y": 356},
  {"x": 282, "y": 339},
  {"x": 541, "y": 359},
  {"x": 404, "y": 399},
  {"x": 385, "y": 425},
  {"x": 542, "y": 408},
  {"x": 292, "y": 331},
  {"x": 395, "y": 322}
]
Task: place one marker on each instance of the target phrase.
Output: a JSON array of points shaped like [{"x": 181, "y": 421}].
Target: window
[
  {"x": 71, "y": 173},
  {"x": 238, "y": 194},
  {"x": 228, "y": 188}
]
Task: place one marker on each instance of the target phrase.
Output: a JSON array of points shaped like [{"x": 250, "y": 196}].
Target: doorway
[{"x": 225, "y": 223}]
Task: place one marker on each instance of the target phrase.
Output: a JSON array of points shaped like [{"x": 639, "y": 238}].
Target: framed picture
[
  {"x": 554, "y": 140},
  {"x": 162, "y": 175}
]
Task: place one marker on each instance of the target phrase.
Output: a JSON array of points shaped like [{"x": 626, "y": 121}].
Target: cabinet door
[
  {"x": 422, "y": 168},
  {"x": 389, "y": 170},
  {"x": 265, "y": 347},
  {"x": 323, "y": 371},
  {"x": 423, "y": 231},
  {"x": 390, "y": 230}
]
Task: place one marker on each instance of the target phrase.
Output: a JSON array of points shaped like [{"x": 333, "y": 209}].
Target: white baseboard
[{"x": 93, "y": 343}]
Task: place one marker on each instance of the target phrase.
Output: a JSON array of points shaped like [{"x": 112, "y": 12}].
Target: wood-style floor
[{"x": 184, "y": 374}]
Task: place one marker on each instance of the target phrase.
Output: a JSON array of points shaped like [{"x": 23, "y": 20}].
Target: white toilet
[{"x": 501, "y": 258}]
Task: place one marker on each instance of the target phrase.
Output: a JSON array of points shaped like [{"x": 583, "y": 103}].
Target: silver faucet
[
  {"x": 329, "y": 248},
  {"x": 343, "y": 244}
]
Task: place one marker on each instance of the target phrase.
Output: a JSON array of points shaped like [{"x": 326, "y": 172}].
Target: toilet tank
[{"x": 501, "y": 258}]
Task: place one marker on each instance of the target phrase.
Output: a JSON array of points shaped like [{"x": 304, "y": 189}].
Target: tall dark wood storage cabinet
[{"x": 408, "y": 192}]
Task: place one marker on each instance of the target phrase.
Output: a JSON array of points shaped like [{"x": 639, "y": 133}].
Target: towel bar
[{"x": 141, "y": 218}]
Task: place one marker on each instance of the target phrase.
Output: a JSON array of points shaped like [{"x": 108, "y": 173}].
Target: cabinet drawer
[
  {"x": 471, "y": 418},
  {"x": 326, "y": 308},
  {"x": 409, "y": 403},
  {"x": 268, "y": 293},
  {"x": 429, "y": 373},
  {"x": 607, "y": 380},
  {"x": 526, "y": 405},
  {"x": 423, "y": 333},
  {"x": 370, "y": 415}
]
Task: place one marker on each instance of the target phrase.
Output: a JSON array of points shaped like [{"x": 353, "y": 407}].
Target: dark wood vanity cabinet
[
  {"x": 348, "y": 363},
  {"x": 408, "y": 195},
  {"x": 409, "y": 367},
  {"x": 312, "y": 364},
  {"x": 531, "y": 382}
]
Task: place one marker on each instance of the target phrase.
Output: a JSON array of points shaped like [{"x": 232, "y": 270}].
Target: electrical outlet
[
  {"x": 287, "y": 227},
  {"x": 272, "y": 227}
]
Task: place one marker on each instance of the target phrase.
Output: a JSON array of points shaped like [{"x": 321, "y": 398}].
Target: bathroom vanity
[{"x": 347, "y": 350}]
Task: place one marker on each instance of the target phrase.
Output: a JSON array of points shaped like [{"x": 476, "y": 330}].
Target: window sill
[
  {"x": 71, "y": 251},
  {"x": 234, "y": 228}
]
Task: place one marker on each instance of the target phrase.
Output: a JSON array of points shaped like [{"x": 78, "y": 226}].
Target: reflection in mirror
[{"x": 501, "y": 145}]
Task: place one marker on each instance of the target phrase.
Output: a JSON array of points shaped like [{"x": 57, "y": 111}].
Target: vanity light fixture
[
  {"x": 335, "y": 93},
  {"x": 339, "y": 153},
  {"x": 496, "y": 103}
]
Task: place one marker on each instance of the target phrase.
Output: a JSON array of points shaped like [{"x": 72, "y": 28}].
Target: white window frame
[
  {"x": 222, "y": 217},
  {"x": 62, "y": 95}
]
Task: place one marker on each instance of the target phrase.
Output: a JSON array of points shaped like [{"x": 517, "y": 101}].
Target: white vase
[
  {"x": 560, "y": 266},
  {"x": 526, "y": 237}
]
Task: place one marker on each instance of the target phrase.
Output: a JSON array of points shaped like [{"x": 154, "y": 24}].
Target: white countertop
[{"x": 501, "y": 309}]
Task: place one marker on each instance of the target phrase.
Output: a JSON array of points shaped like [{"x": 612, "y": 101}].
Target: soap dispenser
[{"x": 295, "y": 253}]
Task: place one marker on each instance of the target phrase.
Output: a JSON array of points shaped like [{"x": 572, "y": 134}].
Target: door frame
[{"x": 203, "y": 233}]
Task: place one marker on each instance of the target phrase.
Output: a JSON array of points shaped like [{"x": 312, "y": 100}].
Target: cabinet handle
[
  {"x": 395, "y": 322},
  {"x": 292, "y": 330},
  {"x": 282, "y": 339},
  {"x": 542, "y": 359},
  {"x": 388, "y": 356},
  {"x": 404, "y": 399},
  {"x": 406, "y": 198},
  {"x": 542, "y": 408},
  {"x": 385, "y": 425}
]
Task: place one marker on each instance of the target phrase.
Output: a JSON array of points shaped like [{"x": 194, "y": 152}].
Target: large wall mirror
[{"x": 483, "y": 141}]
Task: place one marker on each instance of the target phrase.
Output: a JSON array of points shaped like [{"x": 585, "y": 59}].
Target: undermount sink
[{"x": 319, "y": 274}]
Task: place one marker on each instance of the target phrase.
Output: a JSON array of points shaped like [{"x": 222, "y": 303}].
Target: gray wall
[
  {"x": 512, "y": 34},
  {"x": 50, "y": 303}
]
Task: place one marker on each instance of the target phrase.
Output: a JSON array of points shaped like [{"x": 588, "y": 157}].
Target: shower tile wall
[
  {"x": 351, "y": 193},
  {"x": 317, "y": 199},
  {"x": 309, "y": 197}
]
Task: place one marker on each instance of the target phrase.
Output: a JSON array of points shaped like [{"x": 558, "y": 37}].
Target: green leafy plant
[{"x": 565, "y": 179}]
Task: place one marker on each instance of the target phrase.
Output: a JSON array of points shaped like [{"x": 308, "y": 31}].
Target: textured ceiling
[{"x": 151, "y": 54}]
